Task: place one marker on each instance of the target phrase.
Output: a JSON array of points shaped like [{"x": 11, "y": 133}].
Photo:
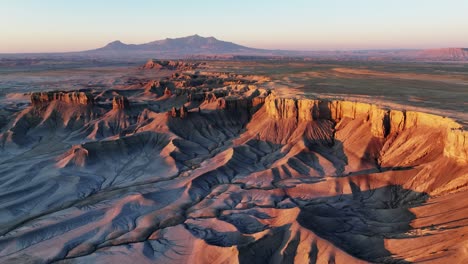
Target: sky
[{"x": 60, "y": 25}]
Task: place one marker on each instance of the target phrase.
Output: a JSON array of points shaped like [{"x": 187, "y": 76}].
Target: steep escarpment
[
  {"x": 50, "y": 113},
  {"x": 216, "y": 167},
  {"x": 343, "y": 138},
  {"x": 45, "y": 98},
  {"x": 71, "y": 115},
  {"x": 383, "y": 123},
  {"x": 120, "y": 103}
]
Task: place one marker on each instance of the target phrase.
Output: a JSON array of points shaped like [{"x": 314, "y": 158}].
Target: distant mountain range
[
  {"x": 204, "y": 47},
  {"x": 209, "y": 47},
  {"x": 191, "y": 45}
]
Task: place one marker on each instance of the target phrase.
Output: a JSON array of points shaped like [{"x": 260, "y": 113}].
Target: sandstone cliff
[
  {"x": 120, "y": 103},
  {"x": 383, "y": 123},
  {"x": 45, "y": 98}
]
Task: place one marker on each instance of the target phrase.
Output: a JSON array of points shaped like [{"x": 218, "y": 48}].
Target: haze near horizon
[{"x": 57, "y": 26}]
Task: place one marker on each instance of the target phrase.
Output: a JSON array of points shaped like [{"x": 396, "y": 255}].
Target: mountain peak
[
  {"x": 117, "y": 44},
  {"x": 194, "y": 44},
  {"x": 210, "y": 37},
  {"x": 198, "y": 37}
]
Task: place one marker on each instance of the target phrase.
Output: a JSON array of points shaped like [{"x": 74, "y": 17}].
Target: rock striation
[
  {"x": 120, "y": 103},
  {"x": 181, "y": 112},
  {"x": 384, "y": 123},
  {"x": 44, "y": 98}
]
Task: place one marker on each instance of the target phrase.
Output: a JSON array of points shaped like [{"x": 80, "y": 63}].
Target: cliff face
[
  {"x": 235, "y": 105},
  {"x": 120, "y": 103},
  {"x": 457, "y": 145},
  {"x": 308, "y": 110},
  {"x": 286, "y": 117},
  {"x": 49, "y": 113},
  {"x": 45, "y": 98},
  {"x": 181, "y": 112},
  {"x": 383, "y": 123}
]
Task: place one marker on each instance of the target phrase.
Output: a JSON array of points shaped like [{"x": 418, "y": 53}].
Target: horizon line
[{"x": 268, "y": 49}]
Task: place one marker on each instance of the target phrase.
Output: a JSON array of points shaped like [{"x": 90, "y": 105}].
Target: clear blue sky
[{"x": 60, "y": 25}]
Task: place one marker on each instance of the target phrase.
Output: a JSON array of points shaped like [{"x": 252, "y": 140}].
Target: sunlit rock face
[
  {"x": 120, "y": 103},
  {"x": 45, "y": 98},
  {"x": 214, "y": 168}
]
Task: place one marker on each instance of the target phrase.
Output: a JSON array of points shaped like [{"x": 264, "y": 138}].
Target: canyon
[{"x": 204, "y": 164}]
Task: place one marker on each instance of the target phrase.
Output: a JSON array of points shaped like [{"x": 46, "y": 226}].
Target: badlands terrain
[{"x": 256, "y": 161}]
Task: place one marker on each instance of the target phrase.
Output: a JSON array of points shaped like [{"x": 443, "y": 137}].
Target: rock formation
[
  {"x": 210, "y": 98},
  {"x": 170, "y": 65},
  {"x": 174, "y": 112},
  {"x": 196, "y": 97},
  {"x": 181, "y": 112},
  {"x": 120, "y": 103},
  {"x": 236, "y": 174},
  {"x": 44, "y": 98},
  {"x": 167, "y": 92}
]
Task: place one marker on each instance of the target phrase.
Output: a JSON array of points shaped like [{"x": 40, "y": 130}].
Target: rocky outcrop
[
  {"x": 201, "y": 95},
  {"x": 170, "y": 65},
  {"x": 456, "y": 145},
  {"x": 173, "y": 112},
  {"x": 235, "y": 104},
  {"x": 150, "y": 64},
  {"x": 45, "y": 98},
  {"x": 210, "y": 98},
  {"x": 258, "y": 101},
  {"x": 120, "y": 103},
  {"x": 196, "y": 97},
  {"x": 76, "y": 156},
  {"x": 181, "y": 112},
  {"x": 208, "y": 80},
  {"x": 167, "y": 92},
  {"x": 52, "y": 112}
]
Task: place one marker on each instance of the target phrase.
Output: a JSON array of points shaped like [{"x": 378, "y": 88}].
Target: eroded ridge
[{"x": 212, "y": 167}]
